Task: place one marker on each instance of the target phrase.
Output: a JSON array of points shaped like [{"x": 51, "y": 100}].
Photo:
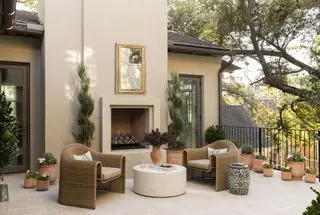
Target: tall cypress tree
[
  {"x": 8, "y": 134},
  {"x": 85, "y": 128}
]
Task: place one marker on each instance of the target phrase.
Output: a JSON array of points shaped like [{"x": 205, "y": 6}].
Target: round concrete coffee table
[{"x": 155, "y": 181}]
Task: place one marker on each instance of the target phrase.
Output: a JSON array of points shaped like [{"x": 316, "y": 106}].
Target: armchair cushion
[
  {"x": 110, "y": 172},
  {"x": 212, "y": 151},
  {"x": 200, "y": 164},
  {"x": 84, "y": 157}
]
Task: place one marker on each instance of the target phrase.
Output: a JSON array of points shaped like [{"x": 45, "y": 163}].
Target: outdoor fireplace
[{"x": 128, "y": 127}]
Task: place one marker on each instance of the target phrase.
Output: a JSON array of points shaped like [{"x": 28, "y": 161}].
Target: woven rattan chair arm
[
  {"x": 194, "y": 154},
  {"x": 110, "y": 160}
]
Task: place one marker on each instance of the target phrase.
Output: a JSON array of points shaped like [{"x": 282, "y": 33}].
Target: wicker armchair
[
  {"x": 220, "y": 163},
  {"x": 79, "y": 180}
]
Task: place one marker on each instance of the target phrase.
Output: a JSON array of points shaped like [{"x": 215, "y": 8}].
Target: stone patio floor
[{"x": 266, "y": 196}]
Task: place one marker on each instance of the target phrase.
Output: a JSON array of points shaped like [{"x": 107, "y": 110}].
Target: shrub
[
  {"x": 296, "y": 157},
  {"x": 246, "y": 149},
  {"x": 314, "y": 208},
  {"x": 213, "y": 134},
  {"x": 267, "y": 165},
  {"x": 261, "y": 157},
  {"x": 286, "y": 169},
  {"x": 311, "y": 171}
]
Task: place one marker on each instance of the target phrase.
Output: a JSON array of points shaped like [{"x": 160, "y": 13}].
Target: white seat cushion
[
  {"x": 85, "y": 157},
  {"x": 199, "y": 164},
  {"x": 110, "y": 172}
]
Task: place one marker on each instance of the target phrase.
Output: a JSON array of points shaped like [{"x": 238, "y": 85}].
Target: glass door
[
  {"x": 13, "y": 81},
  {"x": 191, "y": 110}
]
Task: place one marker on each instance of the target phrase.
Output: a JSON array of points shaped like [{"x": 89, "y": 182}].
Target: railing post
[
  {"x": 318, "y": 155},
  {"x": 260, "y": 141}
]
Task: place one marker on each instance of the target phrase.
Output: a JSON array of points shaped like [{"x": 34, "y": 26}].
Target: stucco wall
[
  {"x": 106, "y": 23},
  {"x": 207, "y": 68},
  {"x": 26, "y": 50}
]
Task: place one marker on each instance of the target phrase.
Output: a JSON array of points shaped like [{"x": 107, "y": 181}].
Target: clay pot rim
[
  {"x": 176, "y": 150},
  {"x": 46, "y": 165}
]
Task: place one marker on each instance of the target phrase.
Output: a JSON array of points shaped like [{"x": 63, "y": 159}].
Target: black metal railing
[{"x": 277, "y": 144}]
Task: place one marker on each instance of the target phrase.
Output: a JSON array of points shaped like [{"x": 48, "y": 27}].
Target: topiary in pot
[
  {"x": 247, "y": 155},
  {"x": 9, "y": 150},
  {"x": 214, "y": 133}
]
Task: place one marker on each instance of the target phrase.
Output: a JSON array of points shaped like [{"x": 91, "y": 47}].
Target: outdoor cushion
[
  {"x": 85, "y": 157},
  {"x": 110, "y": 172},
  {"x": 212, "y": 151},
  {"x": 200, "y": 164}
]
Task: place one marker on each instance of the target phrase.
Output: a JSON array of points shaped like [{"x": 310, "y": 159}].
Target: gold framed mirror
[{"x": 130, "y": 69}]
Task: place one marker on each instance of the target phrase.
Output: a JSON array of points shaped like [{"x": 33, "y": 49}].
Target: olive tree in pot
[
  {"x": 247, "y": 155},
  {"x": 175, "y": 142},
  {"x": 8, "y": 141},
  {"x": 156, "y": 139}
]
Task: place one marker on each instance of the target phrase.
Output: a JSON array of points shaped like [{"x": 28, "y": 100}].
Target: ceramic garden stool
[{"x": 239, "y": 179}]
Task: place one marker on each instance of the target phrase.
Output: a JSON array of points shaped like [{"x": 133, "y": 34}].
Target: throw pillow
[
  {"x": 85, "y": 157},
  {"x": 216, "y": 151}
]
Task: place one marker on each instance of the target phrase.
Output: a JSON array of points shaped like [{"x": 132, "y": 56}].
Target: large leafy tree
[{"x": 278, "y": 34}]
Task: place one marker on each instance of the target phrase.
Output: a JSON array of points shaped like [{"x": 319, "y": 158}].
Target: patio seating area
[{"x": 266, "y": 196}]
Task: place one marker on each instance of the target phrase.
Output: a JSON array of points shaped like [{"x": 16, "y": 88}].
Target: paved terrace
[{"x": 266, "y": 196}]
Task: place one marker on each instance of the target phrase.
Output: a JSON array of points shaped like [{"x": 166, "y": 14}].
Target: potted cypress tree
[
  {"x": 8, "y": 141},
  {"x": 85, "y": 128},
  {"x": 175, "y": 144}
]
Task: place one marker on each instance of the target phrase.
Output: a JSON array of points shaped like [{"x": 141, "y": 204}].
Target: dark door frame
[
  {"x": 200, "y": 103},
  {"x": 26, "y": 125}
]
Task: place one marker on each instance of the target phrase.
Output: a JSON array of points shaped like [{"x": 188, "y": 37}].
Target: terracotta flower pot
[
  {"x": 30, "y": 183},
  {"x": 310, "y": 178},
  {"x": 247, "y": 159},
  {"x": 155, "y": 155},
  {"x": 268, "y": 172},
  {"x": 51, "y": 170},
  {"x": 175, "y": 157},
  {"x": 258, "y": 165},
  {"x": 43, "y": 185},
  {"x": 286, "y": 176},
  {"x": 297, "y": 169}
]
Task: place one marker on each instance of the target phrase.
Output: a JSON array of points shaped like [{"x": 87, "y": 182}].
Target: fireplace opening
[{"x": 128, "y": 127}]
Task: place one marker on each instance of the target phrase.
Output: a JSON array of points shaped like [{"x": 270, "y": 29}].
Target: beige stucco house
[{"x": 41, "y": 52}]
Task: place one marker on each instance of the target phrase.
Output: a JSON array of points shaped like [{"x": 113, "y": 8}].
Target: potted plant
[
  {"x": 258, "y": 163},
  {"x": 43, "y": 182},
  {"x": 30, "y": 179},
  {"x": 214, "y": 133},
  {"x": 48, "y": 164},
  {"x": 156, "y": 139},
  {"x": 9, "y": 149},
  {"x": 310, "y": 176},
  {"x": 267, "y": 169},
  {"x": 286, "y": 173},
  {"x": 296, "y": 162},
  {"x": 247, "y": 155},
  {"x": 175, "y": 144}
]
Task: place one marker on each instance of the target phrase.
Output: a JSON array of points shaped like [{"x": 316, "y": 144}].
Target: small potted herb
[
  {"x": 296, "y": 162},
  {"x": 258, "y": 163},
  {"x": 286, "y": 173},
  {"x": 43, "y": 182},
  {"x": 48, "y": 164},
  {"x": 247, "y": 155},
  {"x": 310, "y": 176},
  {"x": 156, "y": 139},
  {"x": 30, "y": 179},
  {"x": 267, "y": 169}
]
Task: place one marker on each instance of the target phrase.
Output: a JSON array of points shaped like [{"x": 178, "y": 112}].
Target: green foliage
[
  {"x": 174, "y": 105},
  {"x": 246, "y": 149},
  {"x": 314, "y": 208},
  {"x": 31, "y": 174},
  {"x": 267, "y": 165},
  {"x": 214, "y": 133},
  {"x": 296, "y": 157},
  {"x": 8, "y": 133},
  {"x": 156, "y": 138},
  {"x": 286, "y": 169},
  {"x": 260, "y": 157},
  {"x": 42, "y": 177},
  {"x": 32, "y": 4},
  {"x": 47, "y": 159},
  {"x": 311, "y": 171},
  {"x": 85, "y": 128}
]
